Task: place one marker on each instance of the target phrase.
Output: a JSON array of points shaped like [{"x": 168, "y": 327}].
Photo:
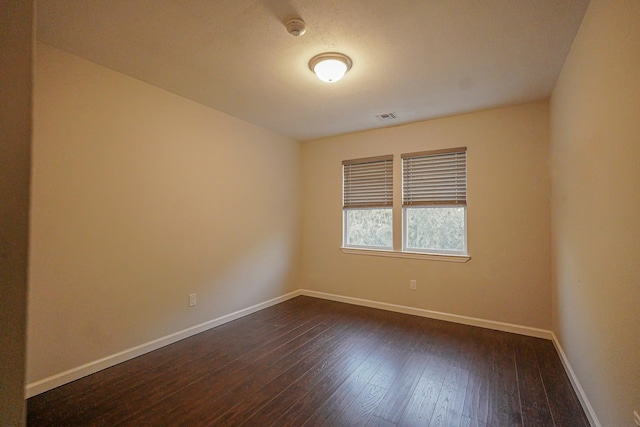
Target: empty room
[{"x": 320, "y": 213}]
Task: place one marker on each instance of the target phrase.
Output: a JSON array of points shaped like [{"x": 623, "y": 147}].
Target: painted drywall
[
  {"x": 16, "y": 84},
  {"x": 595, "y": 147},
  {"x": 141, "y": 197},
  {"x": 508, "y": 276}
]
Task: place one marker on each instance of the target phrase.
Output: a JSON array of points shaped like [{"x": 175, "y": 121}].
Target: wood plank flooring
[{"x": 311, "y": 362}]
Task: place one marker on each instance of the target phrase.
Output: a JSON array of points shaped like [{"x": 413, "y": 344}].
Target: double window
[{"x": 434, "y": 189}]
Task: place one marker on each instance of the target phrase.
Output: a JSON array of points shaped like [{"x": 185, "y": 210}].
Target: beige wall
[
  {"x": 136, "y": 203},
  {"x": 595, "y": 150},
  {"x": 507, "y": 278},
  {"x": 16, "y": 82},
  {"x": 140, "y": 198}
]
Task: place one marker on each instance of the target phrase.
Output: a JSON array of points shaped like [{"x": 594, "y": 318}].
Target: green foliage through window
[
  {"x": 436, "y": 228},
  {"x": 369, "y": 227}
]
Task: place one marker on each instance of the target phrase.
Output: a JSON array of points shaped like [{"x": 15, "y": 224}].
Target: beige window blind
[
  {"x": 368, "y": 183},
  {"x": 436, "y": 177}
]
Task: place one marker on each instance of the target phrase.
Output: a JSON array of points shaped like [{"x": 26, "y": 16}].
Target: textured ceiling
[{"x": 417, "y": 58}]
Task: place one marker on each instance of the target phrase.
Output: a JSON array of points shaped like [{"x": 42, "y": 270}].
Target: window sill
[{"x": 409, "y": 255}]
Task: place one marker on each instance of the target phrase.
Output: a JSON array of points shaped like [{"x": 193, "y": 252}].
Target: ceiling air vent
[{"x": 386, "y": 116}]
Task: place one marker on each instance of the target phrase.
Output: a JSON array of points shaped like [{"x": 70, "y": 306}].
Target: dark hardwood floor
[{"x": 311, "y": 362}]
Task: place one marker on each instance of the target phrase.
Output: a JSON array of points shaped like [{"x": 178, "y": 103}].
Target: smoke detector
[{"x": 296, "y": 27}]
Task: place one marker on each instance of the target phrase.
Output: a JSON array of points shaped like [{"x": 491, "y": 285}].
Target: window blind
[
  {"x": 436, "y": 177},
  {"x": 367, "y": 183}
]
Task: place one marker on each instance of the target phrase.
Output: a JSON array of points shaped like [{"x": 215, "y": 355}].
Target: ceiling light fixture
[{"x": 331, "y": 66}]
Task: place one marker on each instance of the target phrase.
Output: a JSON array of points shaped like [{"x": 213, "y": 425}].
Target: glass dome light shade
[
  {"x": 330, "y": 67},
  {"x": 330, "y": 70}
]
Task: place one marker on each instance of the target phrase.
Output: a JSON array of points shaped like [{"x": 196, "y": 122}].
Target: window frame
[
  {"x": 405, "y": 231},
  {"x": 399, "y": 247},
  {"x": 368, "y": 247},
  {"x": 377, "y": 195},
  {"x": 451, "y": 189}
]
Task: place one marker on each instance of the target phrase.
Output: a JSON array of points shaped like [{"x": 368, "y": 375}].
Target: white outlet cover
[{"x": 636, "y": 418}]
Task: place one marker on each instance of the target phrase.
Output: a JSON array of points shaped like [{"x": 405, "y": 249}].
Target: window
[
  {"x": 433, "y": 210},
  {"x": 434, "y": 200},
  {"x": 367, "y": 195}
]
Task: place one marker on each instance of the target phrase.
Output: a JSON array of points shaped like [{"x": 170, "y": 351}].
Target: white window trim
[{"x": 407, "y": 255}]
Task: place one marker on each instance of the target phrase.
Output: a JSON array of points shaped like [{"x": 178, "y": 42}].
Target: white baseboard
[
  {"x": 65, "y": 377},
  {"x": 455, "y": 318},
  {"x": 582, "y": 396}
]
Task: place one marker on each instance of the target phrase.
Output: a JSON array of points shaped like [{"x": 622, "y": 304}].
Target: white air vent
[{"x": 387, "y": 116}]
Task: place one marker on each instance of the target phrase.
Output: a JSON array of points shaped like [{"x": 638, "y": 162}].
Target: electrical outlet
[
  {"x": 636, "y": 418},
  {"x": 192, "y": 300},
  {"x": 412, "y": 285}
]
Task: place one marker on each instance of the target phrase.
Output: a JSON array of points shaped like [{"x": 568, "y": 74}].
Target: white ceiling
[{"x": 417, "y": 58}]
